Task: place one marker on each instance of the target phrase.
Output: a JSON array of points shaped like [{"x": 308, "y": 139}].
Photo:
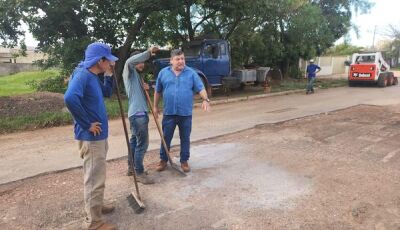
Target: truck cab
[{"x": 210, "y": 58}]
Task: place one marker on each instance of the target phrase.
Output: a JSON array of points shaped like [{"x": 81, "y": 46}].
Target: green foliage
[
  {"x": 274, "y": 33},
  {"x": 343, "y": 49},
  {"x": 50, "y": 119},
  {"x": 17, "y": 83},
  {"x": 10, "y": 22},
  {"x": 42, "y": 120},
  {"x": 55, "y": 84}
]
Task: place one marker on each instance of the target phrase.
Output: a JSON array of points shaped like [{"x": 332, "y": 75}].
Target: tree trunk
[
  {"x": 124, "y": 50},
  {"x": 284, "y": 66}
]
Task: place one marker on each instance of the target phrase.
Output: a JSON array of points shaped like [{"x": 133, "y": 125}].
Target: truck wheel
[{"x": 382, "y": 80}]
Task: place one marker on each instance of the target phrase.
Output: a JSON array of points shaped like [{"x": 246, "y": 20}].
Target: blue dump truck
[{"x": 211, "y": 59}]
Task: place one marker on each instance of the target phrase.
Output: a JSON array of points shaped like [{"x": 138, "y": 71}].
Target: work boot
[
  {"x": 185, "y": 167},
  {"x": 107, "y": 209},
  {"x": 161, "y": 166},
  {"x": 144, "y": 178}
]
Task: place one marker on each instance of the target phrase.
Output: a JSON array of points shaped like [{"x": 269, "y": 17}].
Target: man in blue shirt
[
  {"x": 84, "y": 99},
  {"x": 137, "y": 113},
  {"x": 178, "y": 83},
  {"x": 311, "y": 72}
]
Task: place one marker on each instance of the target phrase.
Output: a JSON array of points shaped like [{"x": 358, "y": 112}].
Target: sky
[{"x": 383, "y": 13}]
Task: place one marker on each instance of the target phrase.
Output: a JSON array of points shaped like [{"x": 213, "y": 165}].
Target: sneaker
[
  {"x": 144, "y": 178},
  {"x": 185, "y": 166},
  {"x": 161, "y": 166},
  {"x": 107, "y": 209}
]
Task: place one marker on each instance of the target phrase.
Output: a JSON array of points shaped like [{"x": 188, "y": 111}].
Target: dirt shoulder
[
  {"x": 31, "y": 104},
  {"x": 338, "y": 170}
]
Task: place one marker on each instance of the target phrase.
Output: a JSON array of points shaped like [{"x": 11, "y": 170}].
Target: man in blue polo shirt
[
  {"x": 311, "y": 73},
  {"x": 178, "y": 83},
  {"x": 84, "y": 99}
]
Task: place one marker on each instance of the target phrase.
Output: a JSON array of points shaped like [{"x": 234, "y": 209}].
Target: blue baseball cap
[{"x": 95, "y": 51}]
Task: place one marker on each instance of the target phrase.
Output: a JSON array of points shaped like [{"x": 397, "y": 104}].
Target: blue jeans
[
  {"x": 139, "y": 142},
  {"x": 184, "y": 124},
  {"x": 310, "y": 85}
]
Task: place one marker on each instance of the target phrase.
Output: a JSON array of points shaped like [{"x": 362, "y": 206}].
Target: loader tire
[
  {"x": 395, "y": 81},
  {"x": 382, "y": 80},
  {"x": 390, "y": 77}
]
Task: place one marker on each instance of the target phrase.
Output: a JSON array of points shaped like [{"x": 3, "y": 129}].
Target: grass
[
  {"x": 293, "y": 84},
  {"x": 42, "y": 120},
  {"x": 16, "y": 84},
  {"x": 52, "y": 119}
]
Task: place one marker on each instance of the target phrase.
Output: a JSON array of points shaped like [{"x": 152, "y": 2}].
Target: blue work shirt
[
  {"x": 84, "y": 99},
  {"x": 311, "y": 68},
  {"x": 133, "y": 86},
  {"x": 178, "y": 91}
]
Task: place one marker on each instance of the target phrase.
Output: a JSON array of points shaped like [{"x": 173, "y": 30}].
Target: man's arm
[
  {"x": 155, "y": 106},
  {"x": 72, "y": 99},
  {"x": 200, "y": 88},
  {"x": 157, "y": 94},
  {"x": 206, "y": 102},
  {"x": 138, "y": 58},
  {"x": 108, "y": 84}
]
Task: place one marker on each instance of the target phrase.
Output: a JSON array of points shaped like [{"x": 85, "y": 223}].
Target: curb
[{"x": 237, "y": 99}]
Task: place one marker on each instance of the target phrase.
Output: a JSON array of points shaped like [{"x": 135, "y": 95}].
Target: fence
[
  {"x": 11, "y": 68},
  {"x": 329, "y": 65}
]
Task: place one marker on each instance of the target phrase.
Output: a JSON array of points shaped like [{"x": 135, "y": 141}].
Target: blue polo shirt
[
  {"x": 178, "y": 91},
  {"x": 311, "y": 68},
  {"x": 84, "y": 99}
]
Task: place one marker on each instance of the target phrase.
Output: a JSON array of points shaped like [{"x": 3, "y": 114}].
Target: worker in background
[{"x": 311, "y": 74}]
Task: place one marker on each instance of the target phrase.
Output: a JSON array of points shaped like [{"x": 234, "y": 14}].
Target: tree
[
  {"x": 274, "y": 33},
  {"x": 65, "y": 27},
  {"x": 343, "y": 49}
]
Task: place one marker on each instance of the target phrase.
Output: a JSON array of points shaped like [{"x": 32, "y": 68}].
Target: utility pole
[{"x": 373, "y": 39}]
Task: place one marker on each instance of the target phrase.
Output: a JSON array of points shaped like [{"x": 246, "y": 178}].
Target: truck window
[
  {"x": 208, "y": 51},
  {"x": 192, "y": 50},
  {"x": 211, "y": 51},
  {"x": 222, "y": 48}
]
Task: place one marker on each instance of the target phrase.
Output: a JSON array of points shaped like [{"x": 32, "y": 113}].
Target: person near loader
[
  {"x": 177, "y": 83},
  {"x": 311, "y": 74},
  {"x": 137, "y": 113},
  {"x": 84, "y": 98}
]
